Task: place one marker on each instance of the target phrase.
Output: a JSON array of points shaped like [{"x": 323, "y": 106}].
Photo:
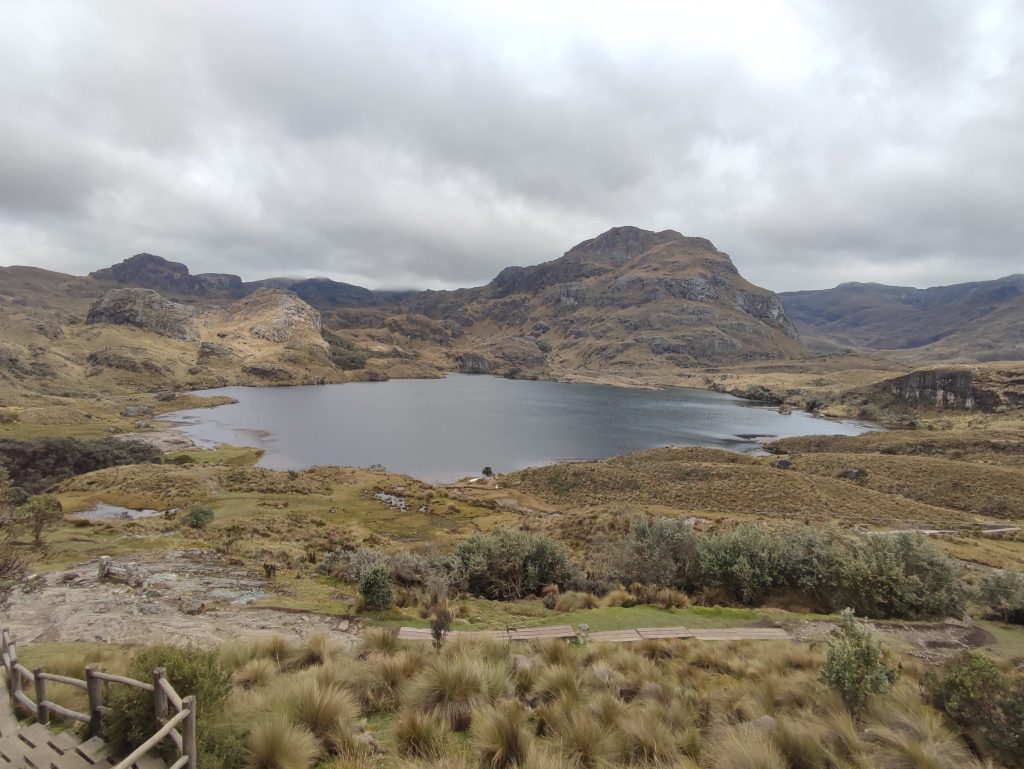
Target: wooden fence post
[
  {"x": 188, "y": 732},
  {"x": 12, "y": 658},
  {"x": 159, "y": 695},
  {"x": 42, "y": 712},
  {"x": 93, "y": 687}
]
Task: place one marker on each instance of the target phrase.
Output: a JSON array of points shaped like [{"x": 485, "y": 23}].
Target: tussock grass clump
[
  {"x": 276, "y": 743},
  {"x": 420, "y": 735},
  {"x": 321, "y": 708},
  {"x": 501, "y": 736},
  {"x": 557, "y": 682},
  {"x": 316, "y": 650},
  {"x": 618, "y": 597},
  {"x": 584, "y": 739},
  {"x": 555, "y": 651},
  {"x": 910, "y": 735},
  {"x": 276, "y": 648},
  {"x": 255, "y": 673},
  {"x": 451, "y": 688},
  {"x": 742, "y": 747},
  {"x": 379, "y": 640}
]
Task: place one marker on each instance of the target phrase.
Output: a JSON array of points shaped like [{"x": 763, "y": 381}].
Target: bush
[
  {"x": 1003, "y": 593},
  {"x": 375, "y": 587},
  {"x": 190, "y": 671},
  {"x": 349, "y": 564},
  {"x": 508, "y": 564},
  {"x": 662, "y": 552},
  {"x": 198, "y": 515},
  {"x": 985, "y": 703},
  {"x": 884, "y": 575},
  {"x": 900, "y": 575},
  {"x": 855, "y": 666}
]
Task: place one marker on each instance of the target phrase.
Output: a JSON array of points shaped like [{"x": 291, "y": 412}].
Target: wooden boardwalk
[{"x": 620, "y": 636}]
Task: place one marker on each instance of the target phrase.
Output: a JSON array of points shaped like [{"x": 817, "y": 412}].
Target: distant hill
[{"x": 966, "y": 322}]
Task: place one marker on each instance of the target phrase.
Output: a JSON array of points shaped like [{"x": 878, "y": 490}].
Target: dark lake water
[{"x": 445, "y": 429}]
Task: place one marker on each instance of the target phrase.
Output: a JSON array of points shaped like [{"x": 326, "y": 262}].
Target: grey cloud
[{"x": 401, "y": 144}]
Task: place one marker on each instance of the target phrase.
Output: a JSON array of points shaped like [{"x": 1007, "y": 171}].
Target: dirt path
[{"x": 183, "y": 597}]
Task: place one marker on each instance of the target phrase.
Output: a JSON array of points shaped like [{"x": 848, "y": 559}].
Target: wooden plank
[
  {"x": 413, "y": 634},
  {"x": 657, "y": 633},
  {"x": 614, "y": 636},
  {"x": 123, "y": 680},
  {"x": 550, "y": 631},
  {"x": 742, "y": 634}
]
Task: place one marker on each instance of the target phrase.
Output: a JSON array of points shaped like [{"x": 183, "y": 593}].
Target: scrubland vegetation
[
  {"x": 901, "y": 575},
  {"x": 274, "y": 704}
]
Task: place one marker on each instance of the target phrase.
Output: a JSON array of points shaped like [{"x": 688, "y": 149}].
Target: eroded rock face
[
  {"x": 145, "y": 309},
  {"x": 956, "y": 388}
]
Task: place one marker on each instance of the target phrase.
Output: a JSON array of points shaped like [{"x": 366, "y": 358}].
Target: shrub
[
  {"x": 501, "y": 736},
  {"x": 985, "y": 703},
  {"x": 349, "y": 564},
  {"x": 131, "y": 720},
  {"x": 198, "y": 516},
  {"x": 855, "y": 666},
  {"x": 278, "y": 744},
  {"x": 662, "y": 552},
  {"x": 900, "y": 575},
  {"x": 375, "y": 587},
  {"x": 1003, "y": 593},
  {"x": 439, "y": 627},
  {"x": 509, "y": 564},
  {"x": 750, "y": 562}
]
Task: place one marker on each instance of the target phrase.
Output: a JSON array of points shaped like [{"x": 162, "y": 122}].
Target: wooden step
[{"x": 94, "y": 750}]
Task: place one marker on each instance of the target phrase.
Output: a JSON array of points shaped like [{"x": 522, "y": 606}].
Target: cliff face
[{"x": 984, "y": 388}]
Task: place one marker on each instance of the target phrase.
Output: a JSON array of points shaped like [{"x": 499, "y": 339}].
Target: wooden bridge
[
  {"x": 633, "y": 634},
  {"x": 36, "y": 746}
]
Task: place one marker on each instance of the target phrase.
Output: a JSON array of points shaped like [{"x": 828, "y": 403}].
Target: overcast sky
[{"x": 429, "y": 144}]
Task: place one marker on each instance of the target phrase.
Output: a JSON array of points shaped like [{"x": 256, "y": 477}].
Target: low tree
[
  {"x": 375, "y": 587},
  {"x": 38, "y": 514},
  {"x": 1003, "y": 592},
  {"x": 855, "y": 665},
  {"x": 11, "y": 564},
  {"x": 440, "y": 626}
]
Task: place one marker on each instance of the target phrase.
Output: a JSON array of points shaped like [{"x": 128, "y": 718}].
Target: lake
[{"x": 446, "y": 429}]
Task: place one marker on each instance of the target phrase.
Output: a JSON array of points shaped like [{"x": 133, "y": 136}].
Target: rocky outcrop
[
  {"x": 473, "y": 363},
  {"x": 159, "y": 274},
  {"x": 145, "y": 309},
  {"x": 273, "y": 315},
  {"x": 981, "y": 388}
]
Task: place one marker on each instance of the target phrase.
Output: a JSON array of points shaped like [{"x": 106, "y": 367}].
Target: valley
[{"x": 857, "y": 459}]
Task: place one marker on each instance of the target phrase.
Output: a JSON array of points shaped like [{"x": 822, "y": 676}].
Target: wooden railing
[{"x": 179, "y": 727}]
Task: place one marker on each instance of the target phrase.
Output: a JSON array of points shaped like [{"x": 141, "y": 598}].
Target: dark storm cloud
[{"x": 427, "y": 144}]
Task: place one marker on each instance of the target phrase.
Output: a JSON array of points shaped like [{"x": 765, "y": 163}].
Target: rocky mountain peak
[{"x": 155, "y": 272}]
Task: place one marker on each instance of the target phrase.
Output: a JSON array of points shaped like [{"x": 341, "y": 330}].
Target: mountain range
[
  {"x": 627, "y": 305},
  {"x": 967, "y": 322}
]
